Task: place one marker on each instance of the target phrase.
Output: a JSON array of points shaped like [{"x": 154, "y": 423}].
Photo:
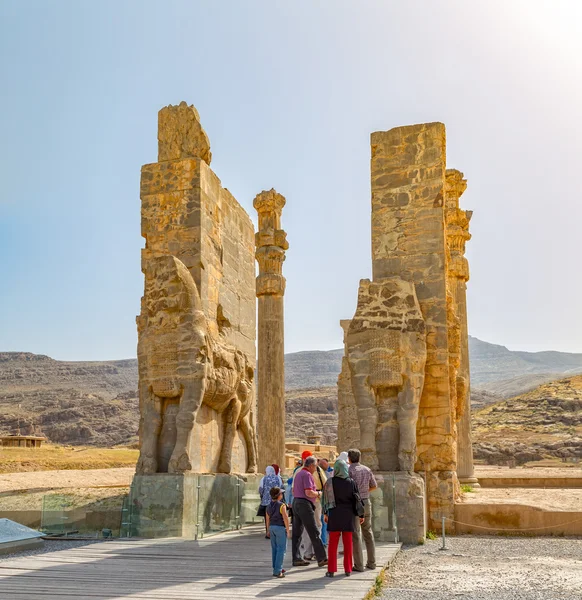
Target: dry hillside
[
  {"x": 543, "y": 423},
  {"x": 95, "y": 403}
]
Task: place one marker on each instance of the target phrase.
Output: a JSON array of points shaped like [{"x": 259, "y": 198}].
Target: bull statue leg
[
  {"x": 248, "y": 432},
  {"x": 231, "y": 416},
  {"x": 151, "y": 424},
  {"x": 367, "y": 411},
  {"x": 408, "y": 403},
  {"x": 190, "y": 402}
]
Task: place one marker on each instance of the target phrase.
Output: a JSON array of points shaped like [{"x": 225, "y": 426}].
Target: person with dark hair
[
  {"x": 270, "y": 480},
  {"x": 366, "y": 483},
  {"x": 306, "y": 546},
  {"x": 278, "y": 525},
  {"x": 340, "y": 503},
  {"x": 304, "y": 496}
]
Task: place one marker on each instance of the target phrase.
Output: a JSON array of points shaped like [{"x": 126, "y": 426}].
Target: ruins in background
[
  {"x": 406, "y": 371},
  {"x": 196, "y": 348}
]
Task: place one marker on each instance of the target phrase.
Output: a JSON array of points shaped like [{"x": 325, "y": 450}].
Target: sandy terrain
[
  {"x": 45, "y": 480},
  {"x": 550, "y": 499},
  {"x": 533, "y": 472}
]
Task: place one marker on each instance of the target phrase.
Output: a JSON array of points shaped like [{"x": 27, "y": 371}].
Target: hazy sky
[{"x": 288, "y": 93}]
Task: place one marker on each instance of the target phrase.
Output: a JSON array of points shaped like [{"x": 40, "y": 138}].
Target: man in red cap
[
  {"x": 320, "y": 478},
  {"x": 305, "y": 496}
]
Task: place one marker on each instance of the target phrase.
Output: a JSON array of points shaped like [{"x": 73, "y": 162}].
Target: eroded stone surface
[
  {"x": 386, "y": 352},
  {"x": 348, "y": 426},
  {"x": 180, "y": 134}
]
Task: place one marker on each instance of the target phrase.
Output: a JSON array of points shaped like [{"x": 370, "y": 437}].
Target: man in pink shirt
[{"x": 304, "y": 496}]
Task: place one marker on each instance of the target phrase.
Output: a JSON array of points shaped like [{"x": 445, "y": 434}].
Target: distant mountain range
[
  {"x": 96, "y": 402},
  {"x": 491, "y": 363},
  {"x": 494, "y": 368}
]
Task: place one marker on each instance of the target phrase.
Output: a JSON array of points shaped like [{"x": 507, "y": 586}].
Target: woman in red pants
[{"x": 339, "y": 501}]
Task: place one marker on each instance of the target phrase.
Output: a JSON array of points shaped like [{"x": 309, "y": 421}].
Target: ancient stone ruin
[
  {"x": 271, "y": 242},
  {"x": 405, "y": 375},
  {"x": 404, "y": 387},
  {"x": 196, "y": 329}
]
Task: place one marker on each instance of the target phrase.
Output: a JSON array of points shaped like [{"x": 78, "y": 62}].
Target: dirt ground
[
  {"x": 97, "y": 487},
  {"x": 533, "y": 472},
  {"x": 51, "y": 457},
  {"x": 488, "y": 568},
  {"x": 43, "y": 480},
  {"x": 550, "y": 499}
]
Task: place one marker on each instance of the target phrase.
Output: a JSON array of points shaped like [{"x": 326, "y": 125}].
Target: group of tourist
[{"x": 320, "y": 505}]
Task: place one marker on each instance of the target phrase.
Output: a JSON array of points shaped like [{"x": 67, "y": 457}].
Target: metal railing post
[
  {"x": 444, "y": 546},
  {"x": 237, "y": 511},
  {"x": 197, "y": 508},
  {"x": 394, "y": 517}
]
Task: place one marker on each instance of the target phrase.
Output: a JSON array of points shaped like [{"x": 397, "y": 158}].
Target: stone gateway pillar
[
  {"x": 271, "y": 243},
  {"x": 196, "y": 328},
  {"x": 406, "y": 349}
]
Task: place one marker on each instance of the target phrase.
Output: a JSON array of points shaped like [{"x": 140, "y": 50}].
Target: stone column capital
[
  {"x": 268, "y": 202},
  {"x": 457, "y": 228},
  {"x": 455, "y": 186},
  {"x": 271, "y": 243}
]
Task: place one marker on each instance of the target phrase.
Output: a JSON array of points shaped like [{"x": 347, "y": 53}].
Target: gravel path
[{"x": 488, "y": 568}]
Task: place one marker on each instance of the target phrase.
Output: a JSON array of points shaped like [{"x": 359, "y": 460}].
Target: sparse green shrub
[
  {"x": 466, "y": 488},
  {"x": 379, "y": 584},
  {"x": 431, "y": 535}
]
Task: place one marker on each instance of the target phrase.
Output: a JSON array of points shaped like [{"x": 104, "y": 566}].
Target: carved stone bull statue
[
  {"x": 181, "y": 367},
  {"x": 386, "y": 349}
]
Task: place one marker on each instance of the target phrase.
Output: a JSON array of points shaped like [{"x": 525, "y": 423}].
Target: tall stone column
[
  {"x": 271, "y": 243},
  {"x": 457, "y": 227}
]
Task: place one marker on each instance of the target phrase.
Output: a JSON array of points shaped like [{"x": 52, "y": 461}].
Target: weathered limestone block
[
  {"x": 386, "y": 351},
  {"x": 190, "y": 505},
  {"x": 180, "y": 134},
  {"x": 348, "y": 427},
  {"x": 196, "y": 331},
  {"x": 456, "y": 379},
  {"x": 271, "y": 243}
]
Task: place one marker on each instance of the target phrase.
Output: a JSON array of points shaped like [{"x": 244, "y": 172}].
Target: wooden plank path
[{"x": 231, "y": 565}]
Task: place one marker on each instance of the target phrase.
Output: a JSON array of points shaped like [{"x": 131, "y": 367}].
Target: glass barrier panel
[
  {"x": 383, "y": 500},
  {"x": 82, "y": 514},
  {"x": 218, "y": 503},
  {"x": 249, "y": 500},
  {"x": 162, "y": 505}
]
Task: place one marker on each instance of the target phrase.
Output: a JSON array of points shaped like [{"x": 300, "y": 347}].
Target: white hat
[{"x": 343, "y": 456}]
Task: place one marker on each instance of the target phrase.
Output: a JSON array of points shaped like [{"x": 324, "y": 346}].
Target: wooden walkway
[{"x": 233, "y": 565}]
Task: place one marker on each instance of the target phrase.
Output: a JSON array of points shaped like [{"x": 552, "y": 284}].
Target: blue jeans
[
  {"x": 278, "y": 546},
  {"x": 323, "y": 531}
]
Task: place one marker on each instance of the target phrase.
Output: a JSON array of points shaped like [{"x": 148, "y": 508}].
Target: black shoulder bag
[{"x": 359, "y": 508}]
